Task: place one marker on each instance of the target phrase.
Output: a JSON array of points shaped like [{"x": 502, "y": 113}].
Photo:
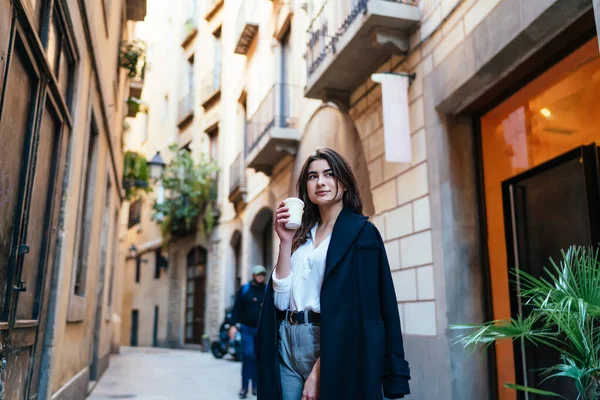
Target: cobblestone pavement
[{"x": 163, "y": 374}]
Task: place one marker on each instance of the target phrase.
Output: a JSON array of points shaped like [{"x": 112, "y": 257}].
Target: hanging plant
[
  {"x": 135, "y": 106},
  {"x": 135, "y": 176},
  {"x": 188, "y": 204},
  {"x": 132, "y": 57}
]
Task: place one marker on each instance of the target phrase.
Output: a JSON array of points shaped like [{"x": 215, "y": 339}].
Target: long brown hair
[{"x": 342, "y": 173}]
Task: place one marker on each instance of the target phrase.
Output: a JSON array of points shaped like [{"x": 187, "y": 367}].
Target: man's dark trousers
[{"x": 248, "y": 356}]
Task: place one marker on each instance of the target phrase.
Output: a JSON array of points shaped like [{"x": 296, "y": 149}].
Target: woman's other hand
[
  {"x": 282, "y": 216},
  {"x": 311, "y": 386}
]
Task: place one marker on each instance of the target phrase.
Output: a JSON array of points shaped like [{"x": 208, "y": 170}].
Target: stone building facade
[
  {"x": 60, "y": 125},
  {"x": 283, "y": 92}
]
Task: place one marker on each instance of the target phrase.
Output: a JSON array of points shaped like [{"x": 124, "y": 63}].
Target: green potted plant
[
  {"x": 564, "y": 315},
  {"x": 132, "y": 54},
  {"x": 135, "y": 175},
  {"x": 187, "y": 204},
  {"x": 135, "y": 105}
]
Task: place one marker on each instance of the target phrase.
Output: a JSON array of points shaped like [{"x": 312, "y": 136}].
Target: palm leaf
[{"x": 532, "y": 390}]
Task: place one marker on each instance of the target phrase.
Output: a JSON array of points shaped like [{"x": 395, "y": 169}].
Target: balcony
[
  {"x": 212, "y": 6},
  {"x": 246, "y": 27},
  {"x": 136, "y": 84},
  {"x": 272, "y": 132},
  {"x": 185, "y": 110},
  {"x": 237, "y": 182},
  {"x": 136, "y": 10},
  {"x": 363, "y": 34},
  {"x": 210, "y": 89},
  {"x": 190, "y": 30}
]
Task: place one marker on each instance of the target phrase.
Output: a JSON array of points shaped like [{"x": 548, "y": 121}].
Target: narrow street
[{"x": 146, "y": 373}]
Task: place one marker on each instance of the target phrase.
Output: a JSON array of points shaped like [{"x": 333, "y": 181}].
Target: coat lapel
[{"x": 347, "y": 227}]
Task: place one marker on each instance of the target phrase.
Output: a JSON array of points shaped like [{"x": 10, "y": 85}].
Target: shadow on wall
[{"x": 329, "y": 127}]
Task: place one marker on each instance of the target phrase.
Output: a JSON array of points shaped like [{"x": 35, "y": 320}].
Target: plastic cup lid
[{"x": 293, "y": 200}]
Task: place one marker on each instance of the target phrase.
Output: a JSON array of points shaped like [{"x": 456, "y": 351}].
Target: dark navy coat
[{"x": 361, "y": 339}]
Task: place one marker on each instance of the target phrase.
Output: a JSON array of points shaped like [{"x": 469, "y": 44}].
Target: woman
[{"x": 329, "y": 326}]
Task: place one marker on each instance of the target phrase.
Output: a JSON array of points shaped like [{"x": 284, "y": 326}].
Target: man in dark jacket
[{"x": 245, "y": 317}]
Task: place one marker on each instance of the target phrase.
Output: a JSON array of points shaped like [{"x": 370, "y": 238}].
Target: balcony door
[
  {"x": 546, "y": 209},
  {"x": 195, "y": 295},
  {"x": 284, "y": 87}
]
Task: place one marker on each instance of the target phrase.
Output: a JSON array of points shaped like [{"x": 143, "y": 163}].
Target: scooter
[{"x": 224, "y": 345}]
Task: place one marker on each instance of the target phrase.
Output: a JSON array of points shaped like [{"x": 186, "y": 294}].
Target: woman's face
[{"x": 321, "y": 186}]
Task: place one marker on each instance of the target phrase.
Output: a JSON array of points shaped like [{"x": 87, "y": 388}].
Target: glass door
[{"x": 546, "y": 210}]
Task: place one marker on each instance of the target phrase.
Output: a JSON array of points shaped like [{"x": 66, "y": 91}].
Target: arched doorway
[
  {"x": 236, "y": 268},
  {"x": 330, "y": 127},
  {"x": 262, "y": 240},
  {"x": 195, "y": 294}
]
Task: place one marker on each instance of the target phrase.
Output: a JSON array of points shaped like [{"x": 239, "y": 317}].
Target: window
[
  {"x": 113, "y": 262},
  {"x": 138, "y": 269},
  {"x": 87, "y": 211},
  {"x": 145, "y": 116},
  {"x": 135, "y": 213},
  {"x": 59, "y": 54},
  {"x": 165, "y": 110},
  {"x": 213, "y": 150},
  {"x": 158, "y": 263},
  {"x": 217, "y": 60}
]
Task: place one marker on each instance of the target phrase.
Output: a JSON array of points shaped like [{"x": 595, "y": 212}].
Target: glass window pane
[
  {"x": 20, "y": 88},
  {"x": 64, "y": 75},
  {"x": 53, "y": 48},
  {"x": 36, "y": 228},
  {"x": 190, "y": 287},
  {"x": 189, "y": 331}
]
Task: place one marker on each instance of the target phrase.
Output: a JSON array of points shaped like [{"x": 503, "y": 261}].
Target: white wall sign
[{"x": 396, "y": 123}]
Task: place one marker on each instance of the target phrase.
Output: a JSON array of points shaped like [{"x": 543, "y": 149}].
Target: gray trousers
[{"x": 299, "y": 349}]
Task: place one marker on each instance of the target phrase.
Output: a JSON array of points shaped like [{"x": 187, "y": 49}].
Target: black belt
[{"x": 298, "y": 317}]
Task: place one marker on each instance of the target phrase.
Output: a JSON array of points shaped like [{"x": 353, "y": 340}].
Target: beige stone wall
[
  {"x": 402, "y": 192},
  {"x": 74, "y": 340}
]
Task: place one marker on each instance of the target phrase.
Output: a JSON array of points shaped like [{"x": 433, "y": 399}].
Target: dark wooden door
[
  {"x": 548, "y": 209},
  {"x": 135, "y": 326},
  {"x": 195, "y": 295},
  {"x": 33, "y": 141},
  {"x": 200, "y": 285}
]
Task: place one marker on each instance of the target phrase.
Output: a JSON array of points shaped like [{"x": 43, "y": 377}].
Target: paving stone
[{"x": 145, "y": 373}]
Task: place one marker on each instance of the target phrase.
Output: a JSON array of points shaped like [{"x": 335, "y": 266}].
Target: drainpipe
[
  {"x": 45, "y": 385},
  {"x": 597, "y": 14}
]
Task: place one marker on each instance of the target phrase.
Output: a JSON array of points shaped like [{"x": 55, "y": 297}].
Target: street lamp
[
  {"x": 132, "y": 251},
  {"x": 157, "y": 166}
]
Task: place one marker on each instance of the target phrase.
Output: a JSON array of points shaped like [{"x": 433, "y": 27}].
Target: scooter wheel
[{"x": 216, "y": 350}]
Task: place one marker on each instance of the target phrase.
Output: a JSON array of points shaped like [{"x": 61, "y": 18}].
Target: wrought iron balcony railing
[
  {"x": 185, "y": 109},
  {"x": 210, "y": 86},
  {"x": 277, "y": 110},
  {"x": 344, "y": 32},
  {"x": 236, "y": 175}
]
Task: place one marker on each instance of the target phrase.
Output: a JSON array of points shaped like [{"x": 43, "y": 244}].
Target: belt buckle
[{"x": 290, "y": 320}]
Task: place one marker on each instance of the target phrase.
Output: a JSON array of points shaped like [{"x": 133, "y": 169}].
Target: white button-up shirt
[{"x": 301, "y": 289}]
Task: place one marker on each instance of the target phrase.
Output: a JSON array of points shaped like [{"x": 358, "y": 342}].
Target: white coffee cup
[{"x": 296, "y": 209}]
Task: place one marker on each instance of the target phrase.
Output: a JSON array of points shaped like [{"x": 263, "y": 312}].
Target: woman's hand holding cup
[
  {"x": 282, "y": 216},
  {"x": 288, "y": 218}
]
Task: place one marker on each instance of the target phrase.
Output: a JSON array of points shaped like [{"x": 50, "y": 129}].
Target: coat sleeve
[{"x": 396, "y": 369}]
